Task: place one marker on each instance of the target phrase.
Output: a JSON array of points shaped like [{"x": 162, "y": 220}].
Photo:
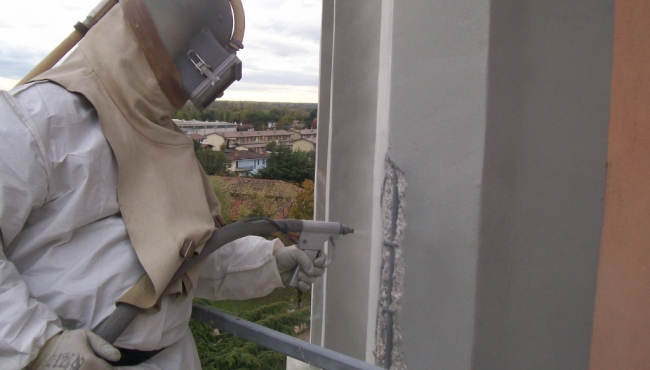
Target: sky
[{"x": 280, "y": 57}]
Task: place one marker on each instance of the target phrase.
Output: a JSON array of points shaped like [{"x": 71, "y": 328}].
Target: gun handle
[{"x": 294, "y": 277}]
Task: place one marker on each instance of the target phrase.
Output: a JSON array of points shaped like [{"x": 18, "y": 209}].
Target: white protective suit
[{"x": 67, "y": 255}]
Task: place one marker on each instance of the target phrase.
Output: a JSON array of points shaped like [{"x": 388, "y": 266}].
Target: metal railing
[{"x": 293, "y": 347}]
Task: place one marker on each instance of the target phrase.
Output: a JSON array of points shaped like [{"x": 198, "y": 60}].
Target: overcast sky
[{"x": 280, "y": 58}]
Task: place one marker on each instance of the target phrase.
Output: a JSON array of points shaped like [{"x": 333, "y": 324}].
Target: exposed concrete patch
[{"x": 388, "y": 351}]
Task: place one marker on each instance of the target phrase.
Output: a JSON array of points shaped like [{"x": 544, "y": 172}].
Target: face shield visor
[
  {"x": 207, "y": 68},
  {"x": 203, "y": 37}
]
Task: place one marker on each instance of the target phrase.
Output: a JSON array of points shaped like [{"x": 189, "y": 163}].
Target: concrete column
[
  {"x": 494, "y": 114},
  {"x": 322, "y": 148},
  {"x": 350, "y": 133}
]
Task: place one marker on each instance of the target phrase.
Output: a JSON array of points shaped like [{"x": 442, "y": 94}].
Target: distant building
[
  {"x": 245, "y": 162},
  {"x": 304, "y": 134},
  {"x": 297, "y": 126},
  {"x": 204, "y": 128},
  {"x": 197, "y": 137},
  {"x": 242, "y": 138},
  {"x": 201, "y": 140},
  {"x": 245, "y": 127},
  {"x": 305, "y": 145},
  {"x": 257, "y": 148}
]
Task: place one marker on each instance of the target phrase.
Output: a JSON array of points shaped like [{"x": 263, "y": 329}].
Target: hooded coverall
[{"x": 67, "y": 255}]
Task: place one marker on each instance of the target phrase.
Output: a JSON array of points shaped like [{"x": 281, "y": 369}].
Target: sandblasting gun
[{"x": 312, "y": 241}]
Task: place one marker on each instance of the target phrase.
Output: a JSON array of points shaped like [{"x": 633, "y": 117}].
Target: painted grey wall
[
  {"x": 350, "y": 171},
  {"x": 438, "y": 104},
  {"x": 498, "y": 115},
  {"x": 544, "y": 182}
]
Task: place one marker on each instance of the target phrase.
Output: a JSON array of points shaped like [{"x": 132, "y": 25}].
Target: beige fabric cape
[{"x": 163, "y": 193}]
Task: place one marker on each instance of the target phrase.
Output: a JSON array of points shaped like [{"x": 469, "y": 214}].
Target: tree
[
  {"x": 286, "y": 120},
  {"x": 270, "y": 146},
  {"x": 287, "y": 165},
  {"x": 303, "y": 207},
  {"x": 214, "y": 163}
]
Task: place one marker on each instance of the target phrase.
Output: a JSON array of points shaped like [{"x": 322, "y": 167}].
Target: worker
[{"x": 100, "y": 192}]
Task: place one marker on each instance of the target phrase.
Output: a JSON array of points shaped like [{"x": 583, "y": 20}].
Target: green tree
[
  {"x": 286, "y": 120},
  {"x": 303, "y": 206},
  {"x": 287, "y": 165},
  {"x": 214, "y": 163}
]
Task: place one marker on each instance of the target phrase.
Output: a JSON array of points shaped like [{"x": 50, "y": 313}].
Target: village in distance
[{"x": 261, "y": 161}]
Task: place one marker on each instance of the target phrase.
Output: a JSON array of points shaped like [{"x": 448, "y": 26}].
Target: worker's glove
[
  {"x": 78, "y": 349},
  {"x": 287, "y": 258}
]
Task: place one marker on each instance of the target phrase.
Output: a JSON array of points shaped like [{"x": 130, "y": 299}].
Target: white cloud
[
  {"x": 280, "y": 57},
  {"x": 274, "y": 93}
]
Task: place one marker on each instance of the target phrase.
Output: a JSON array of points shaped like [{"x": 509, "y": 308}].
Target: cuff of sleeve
[{"x": 277, "y": 245}]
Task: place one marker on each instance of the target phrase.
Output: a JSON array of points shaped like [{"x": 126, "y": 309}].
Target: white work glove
[
  {"x": 78, "y": 349},
  {"x": 287, "y": 258}
]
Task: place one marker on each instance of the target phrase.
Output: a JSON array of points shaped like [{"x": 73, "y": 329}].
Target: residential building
[
  {"x": 204, "y": 127},
  {"x": 197, "y": 137},
  {"x": 234, "y": 139},
  {"x": 305, "y": 145},
  {"x": 245, "y": 127},
  {"x": 215, "y": 139},
  {"x": 304, "y": 134},
  {"x": 297, "y": 126},
  {"x": 259, "y": 148},
  {"x": 201, "y": 140},
  {"x": 245, "y": 162}
]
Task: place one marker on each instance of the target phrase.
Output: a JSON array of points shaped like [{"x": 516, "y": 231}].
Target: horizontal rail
[{"x": 293, "y": 347}]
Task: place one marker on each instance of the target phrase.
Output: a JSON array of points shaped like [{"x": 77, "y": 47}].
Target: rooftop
[
  {"x": 196, "y": 137},
  {"x": 259, "y": 145},
  {"x": 180, "y": 123},
  {"x": 238, "y": 134},
  {"x": 244, "y": 154},
  {"x": 308, "y": 131}
]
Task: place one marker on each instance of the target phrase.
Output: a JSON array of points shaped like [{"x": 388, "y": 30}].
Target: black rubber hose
[{"x": 111, "y": 328}]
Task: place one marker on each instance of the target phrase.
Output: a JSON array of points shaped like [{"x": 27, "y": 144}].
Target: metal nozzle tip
[{"x": 346, "y": 230}]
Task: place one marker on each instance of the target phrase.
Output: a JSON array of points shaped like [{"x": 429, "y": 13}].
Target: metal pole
[{"x": 304, "y": 351}]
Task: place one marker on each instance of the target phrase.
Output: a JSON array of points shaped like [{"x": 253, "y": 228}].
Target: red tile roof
[
  {"x": 196, "y": 137},
  {"x": 244, "y": 154}
]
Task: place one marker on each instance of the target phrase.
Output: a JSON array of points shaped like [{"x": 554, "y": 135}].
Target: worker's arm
[
  {"x": 243, "y": 269},
  {"x": 25, "y": 324}
]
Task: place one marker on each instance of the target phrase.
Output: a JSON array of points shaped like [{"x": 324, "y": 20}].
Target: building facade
[
  {"x": 244, "y": 163},
  {"x": 205, "y": 128}
]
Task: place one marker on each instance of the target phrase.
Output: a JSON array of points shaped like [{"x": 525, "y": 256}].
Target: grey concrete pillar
[
  {"x": 496, "y": 114},
  {"x": 347, "y": 125}
]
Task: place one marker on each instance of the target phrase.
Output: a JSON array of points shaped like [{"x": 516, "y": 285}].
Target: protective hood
[{"x": 165, "y": 197}]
